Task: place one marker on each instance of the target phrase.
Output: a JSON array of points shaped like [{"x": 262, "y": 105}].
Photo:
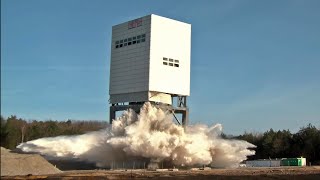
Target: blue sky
[{"x": 255, "y": 64}]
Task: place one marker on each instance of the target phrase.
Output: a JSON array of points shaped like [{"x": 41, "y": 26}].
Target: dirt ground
[
  {"x": 13, "y": 164},
  {"x": 239, "y": 173}
]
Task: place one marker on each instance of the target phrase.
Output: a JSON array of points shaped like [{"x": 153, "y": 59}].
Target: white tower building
[{"x": 150, "y": 62}]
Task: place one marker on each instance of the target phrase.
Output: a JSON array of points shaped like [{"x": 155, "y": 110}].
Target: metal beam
[{"x": 136, "y": 106}]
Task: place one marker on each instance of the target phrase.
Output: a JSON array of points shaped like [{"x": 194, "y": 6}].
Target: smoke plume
[{"x": 149, "y": 135}]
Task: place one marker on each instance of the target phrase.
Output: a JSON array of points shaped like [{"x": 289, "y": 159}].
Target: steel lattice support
[{"x": 180, "y": 109}]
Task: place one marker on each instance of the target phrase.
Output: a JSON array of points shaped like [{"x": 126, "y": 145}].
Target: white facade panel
[
  {"x": 170, "y": 39},
  {"x": 139, "y": 69},
  {"x": 303, "y": 161}
]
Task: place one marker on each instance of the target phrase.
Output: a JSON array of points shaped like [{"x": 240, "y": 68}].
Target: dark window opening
[
  {"x": 171, "y": 60},
  {"x": 170, "y": 64},
  {"x": 166, "y": 59},
  {"x": 176, "y": 65},
  {"x": 129, "y": 41},
  {"x": 165, "y": 63}
]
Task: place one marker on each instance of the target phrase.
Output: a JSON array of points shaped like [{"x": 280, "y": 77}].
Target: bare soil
[
  {"x": 239, "y": 173},
  {"x": 13, "y": 164},
  {"x": 33, "y": 166}
]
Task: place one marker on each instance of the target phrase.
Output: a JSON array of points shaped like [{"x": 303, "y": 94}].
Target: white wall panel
[
  {"x": 171, "y": 39},
  {"x": 138, "y": 69}
]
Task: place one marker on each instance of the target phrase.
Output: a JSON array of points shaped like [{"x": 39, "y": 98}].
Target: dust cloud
[{"x": 150, "y": 135}]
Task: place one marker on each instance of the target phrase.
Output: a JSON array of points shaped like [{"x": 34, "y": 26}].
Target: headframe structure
[{"x": 150, "y": 62}]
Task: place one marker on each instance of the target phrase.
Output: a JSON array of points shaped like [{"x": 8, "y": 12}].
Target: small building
[
  {"x": 293, "y": 161},
  {"x": 263, "y": 163}
]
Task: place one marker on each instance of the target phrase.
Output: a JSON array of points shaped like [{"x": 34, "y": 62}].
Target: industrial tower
[{"x": 150, "y": 62}]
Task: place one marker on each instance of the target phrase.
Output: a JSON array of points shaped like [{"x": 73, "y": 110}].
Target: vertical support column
[
  {"x": 183, "y": 109},
  {"x": 112, "y": 113},
  {"x": 185, "y": 117}
]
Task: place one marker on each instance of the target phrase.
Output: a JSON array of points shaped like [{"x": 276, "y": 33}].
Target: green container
[{"x": 291, "y": 162}]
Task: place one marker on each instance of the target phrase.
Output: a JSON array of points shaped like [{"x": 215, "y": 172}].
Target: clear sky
[{"x": 255, "y": 64}]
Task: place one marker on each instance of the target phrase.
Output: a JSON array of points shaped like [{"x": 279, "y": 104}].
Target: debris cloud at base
[{"x": 149, "y": 135}]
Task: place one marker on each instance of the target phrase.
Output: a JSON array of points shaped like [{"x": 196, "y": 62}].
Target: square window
[
  {"x": 176, "y": 61},
  {"x": 121, "y": 41},
  {"x": 138, "y": 41},
  {"x": 170, "y": 64},
  {"x": 117, "y": 46},
  {"x": 143, "y": 35},
  {"x": 165, "y": 63},
  {"x": 125, "y": 44},
  {"x": 117, "y": 42},
  {"x": 138, "y": 37},
  {"x": 133, "y": 42},
  {"x": 125, "y": 40},
  {"x": 176, "y": 65},
  {"x": 171, "y": 60},
  {"x": 121, "y": 45},
  {"x": 165, "y": 59},
  {"x": 134, "y": 38},
  {"x": 129, "y": 39},
  {"x": 129, "y": 43},
  {"x": 142, "y": 40}
]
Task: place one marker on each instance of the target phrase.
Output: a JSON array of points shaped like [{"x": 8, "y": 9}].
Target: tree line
[
  {"x": 16, "y": 130},
  {"x": 270, "y": 144},
  {"x": 284, "y": 144}
]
